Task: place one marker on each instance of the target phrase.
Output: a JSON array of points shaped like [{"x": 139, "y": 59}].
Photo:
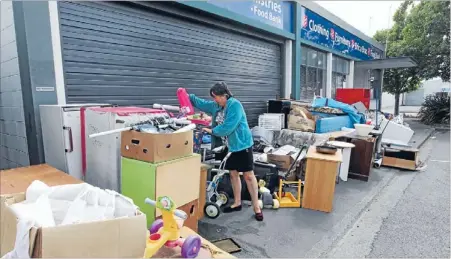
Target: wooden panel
[
  {"x": 179, "y": 179},
  {"x": 319, "y": 184},
  {"x": 138, "y": 183},
  {"x": 404, "y": 158},
  {"x": 17, "y": 180},
  {"x": 399, "y": 163},
  {"x": 203, "y": 189}
]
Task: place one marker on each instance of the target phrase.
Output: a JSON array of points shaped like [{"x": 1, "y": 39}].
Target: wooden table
[
  {"x": 320, "y": 176},
  {"x": 17, "y": 180}
]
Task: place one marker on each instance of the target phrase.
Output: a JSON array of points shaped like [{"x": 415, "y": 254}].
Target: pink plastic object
[{"x": 185, "y": 103}]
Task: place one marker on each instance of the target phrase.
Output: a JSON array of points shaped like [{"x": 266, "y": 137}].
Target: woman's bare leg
[
  {"x": 252, "y": 186},
  {"x": 236, "y": 186}
]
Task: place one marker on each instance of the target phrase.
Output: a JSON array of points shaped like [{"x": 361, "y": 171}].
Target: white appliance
[
  {"x": 103, "y": 153},
  {"x": 61, "y": 136}
]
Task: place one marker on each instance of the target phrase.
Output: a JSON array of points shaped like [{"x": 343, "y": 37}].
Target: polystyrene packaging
[{"x": 184, "y": 101}]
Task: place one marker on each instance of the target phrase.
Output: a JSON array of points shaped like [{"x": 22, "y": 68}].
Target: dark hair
[{"x": 220, "y": 89}]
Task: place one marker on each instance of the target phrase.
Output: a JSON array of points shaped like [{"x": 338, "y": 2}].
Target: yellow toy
[
  {"x": 166, "y": 231},
  {"x": 287, "y": 199}
]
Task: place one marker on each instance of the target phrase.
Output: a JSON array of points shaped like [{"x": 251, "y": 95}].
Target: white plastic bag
[
  {"x": 22, "y": 244},
  {"x": 39, "y": 211}
]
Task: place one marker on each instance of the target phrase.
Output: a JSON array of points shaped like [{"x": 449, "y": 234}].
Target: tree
[
  {"x": 427, "y": 38},
  {"x": 398, "y": 81},
  {"x": 421, "y": 31}
]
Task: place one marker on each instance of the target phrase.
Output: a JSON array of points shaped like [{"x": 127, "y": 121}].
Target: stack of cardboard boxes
[{"x": 156, "y": 165}]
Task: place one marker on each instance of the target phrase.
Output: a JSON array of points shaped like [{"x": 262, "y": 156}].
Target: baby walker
[
  {"x": 216, "y": 199},
  {"x": 166, "y": 231}
]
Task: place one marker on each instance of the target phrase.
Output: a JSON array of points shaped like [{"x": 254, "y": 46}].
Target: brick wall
[{"x": 13, "y": 141}]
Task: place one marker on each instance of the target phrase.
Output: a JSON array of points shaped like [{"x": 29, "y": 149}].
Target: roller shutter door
[{"x": 128, "y": 55}]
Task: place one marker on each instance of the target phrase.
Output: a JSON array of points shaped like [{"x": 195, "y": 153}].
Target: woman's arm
[
  {"x": 202, "y": 104},
  {"x": 231, "y": 121}
]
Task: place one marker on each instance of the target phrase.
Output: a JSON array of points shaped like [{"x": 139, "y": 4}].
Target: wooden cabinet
[
  {"x": 320, "y": 176},
  {"x": 178, "y": 179},
  {"x": 361, "y": 156}
]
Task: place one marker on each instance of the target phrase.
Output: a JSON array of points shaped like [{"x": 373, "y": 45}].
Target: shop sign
[
  {"x": 275, "y": 13},
  {"x": 321, "y": 31}
]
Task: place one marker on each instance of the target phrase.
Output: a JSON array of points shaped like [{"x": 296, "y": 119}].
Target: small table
[
  {"x": 320, "y": 175},
  {"x": 346, "y": 150}
]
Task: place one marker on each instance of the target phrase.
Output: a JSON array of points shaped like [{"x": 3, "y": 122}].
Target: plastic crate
[
  {"x": 271, "y": 121},
  {"x": 330, "y": 124}
]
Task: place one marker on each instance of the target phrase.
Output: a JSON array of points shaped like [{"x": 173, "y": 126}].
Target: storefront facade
[{"x": 139, "y": 53}]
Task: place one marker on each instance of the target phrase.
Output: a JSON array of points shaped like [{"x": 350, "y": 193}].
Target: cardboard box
[
  {"x": 117, "y": 238},
  {"x": 283, "y": 157},
  {"x": 156, "y": 148},
  {"x": 178, "y": 179},
  {"x": 281, "y": 161}
]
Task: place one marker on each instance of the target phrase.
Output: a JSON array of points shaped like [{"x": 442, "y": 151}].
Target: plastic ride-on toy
[
  {"x": 166, "y": 231},
  {"x": 216, "y": 199}
]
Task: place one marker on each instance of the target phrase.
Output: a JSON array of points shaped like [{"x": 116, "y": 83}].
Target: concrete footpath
[
  {"x": 410, "y": 217},
  {"x": 304, "y": 233}
]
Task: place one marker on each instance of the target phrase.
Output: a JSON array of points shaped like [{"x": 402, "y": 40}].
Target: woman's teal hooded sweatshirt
[{"x": 235, "y": 125}]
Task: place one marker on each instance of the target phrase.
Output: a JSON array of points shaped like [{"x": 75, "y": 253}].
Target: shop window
[
  {"x": 304, "y": 56},
  {"x": 312, "y": 58},
  {"x": 313, "y": 73},
  {"x": 340, "y": 69}
]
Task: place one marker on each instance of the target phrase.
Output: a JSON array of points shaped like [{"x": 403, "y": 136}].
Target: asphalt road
[
  {"x": 411, "y": 215},
  {"x": 394, "y": 214}
]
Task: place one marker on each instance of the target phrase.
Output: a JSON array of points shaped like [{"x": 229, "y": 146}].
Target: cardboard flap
[{"x": 8, "y": 225}]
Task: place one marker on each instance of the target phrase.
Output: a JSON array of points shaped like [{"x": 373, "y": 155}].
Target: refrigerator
[
  {"x": 61, "y": 135},
  {"x": 103, "y": 153}
]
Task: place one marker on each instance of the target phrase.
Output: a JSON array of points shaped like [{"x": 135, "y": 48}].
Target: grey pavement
[
  {"x": 421, "y": 132},
  {"x": 410, "y": 217},
  {"x": 304, "y": 233},
  {"x": 403, "y": 109},
  {"x": 296, "y": 232}
]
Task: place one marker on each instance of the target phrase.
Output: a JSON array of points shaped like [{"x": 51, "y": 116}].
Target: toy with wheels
[
  {"x": 266, "y": 198},
  {"x": 166, "y": 232},
  {"x": 216, "y": 199}
]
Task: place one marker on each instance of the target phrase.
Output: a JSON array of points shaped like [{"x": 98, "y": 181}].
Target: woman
[{"x": 229, "y": 123}]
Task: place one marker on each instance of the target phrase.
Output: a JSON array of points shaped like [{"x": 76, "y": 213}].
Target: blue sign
[
  {"x": 323, "y": 32},
  {"x": 275, "y": 13}
]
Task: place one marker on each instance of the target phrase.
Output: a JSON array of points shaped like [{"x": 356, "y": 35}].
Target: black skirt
[{"x": 241, "y": 161}]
